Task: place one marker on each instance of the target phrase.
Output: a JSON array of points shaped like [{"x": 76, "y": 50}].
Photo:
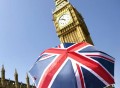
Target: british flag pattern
[{"x": 73, "y": 65}]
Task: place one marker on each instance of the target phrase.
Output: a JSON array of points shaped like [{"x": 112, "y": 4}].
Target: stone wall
[{"x": 7, "y": 83}]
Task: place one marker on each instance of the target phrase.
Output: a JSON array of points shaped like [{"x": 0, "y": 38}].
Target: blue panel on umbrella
[
  {"x": 66, "y": 77},
  {"x": 39, "y": 67},
  {"x": 66, "y": 45},
  {"x": 108, "y": 65},
  {"x": 88, "y": 49},
  {"x": 91, "y": 80}
]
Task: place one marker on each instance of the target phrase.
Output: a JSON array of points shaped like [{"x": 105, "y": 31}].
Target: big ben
[{"x": 70, "y": 26}]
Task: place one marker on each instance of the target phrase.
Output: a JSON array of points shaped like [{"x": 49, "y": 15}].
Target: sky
[{"x": 27, "y": 29}]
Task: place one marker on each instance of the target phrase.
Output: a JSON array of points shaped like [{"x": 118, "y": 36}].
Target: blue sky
[{"x": 26, "y": 29}]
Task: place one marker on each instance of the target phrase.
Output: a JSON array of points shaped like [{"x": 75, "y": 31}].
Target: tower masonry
[{"x": 69, "y": 23}]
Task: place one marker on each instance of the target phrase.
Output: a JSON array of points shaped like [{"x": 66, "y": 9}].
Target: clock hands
[{"x": 62, "y": 19}]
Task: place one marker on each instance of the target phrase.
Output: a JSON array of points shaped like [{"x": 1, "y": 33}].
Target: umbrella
[{"x": 73, "y": 65}]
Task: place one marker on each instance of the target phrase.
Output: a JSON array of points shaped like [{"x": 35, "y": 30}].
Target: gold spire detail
[
  {"x": 69, "y": 23},
  {"x": 58, "y": 2}
]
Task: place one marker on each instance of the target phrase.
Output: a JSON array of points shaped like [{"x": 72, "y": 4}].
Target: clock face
[{"x": 64, "y": 20}]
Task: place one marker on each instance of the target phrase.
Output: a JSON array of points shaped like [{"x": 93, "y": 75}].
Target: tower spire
[
  {"x": 16, "y": 79},
  {"x": 27, "y": 81},
  {"x": 69, "y": 23},
  {"x": 58, "y": 2},
  {"x": 3, "y": 76}
]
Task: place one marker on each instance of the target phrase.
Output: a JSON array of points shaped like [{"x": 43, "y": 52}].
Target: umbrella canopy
[{"x": 71, "y": 65}]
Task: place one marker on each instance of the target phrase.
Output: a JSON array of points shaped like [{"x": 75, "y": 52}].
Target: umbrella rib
[
  {"x": 78, "y": 46},
  {"x": 47, "y": 77},
  {"x": 92, "y": 65}
]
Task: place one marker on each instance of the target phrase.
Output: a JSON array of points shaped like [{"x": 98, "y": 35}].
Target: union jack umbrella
[{"x": 72, "y": 65}]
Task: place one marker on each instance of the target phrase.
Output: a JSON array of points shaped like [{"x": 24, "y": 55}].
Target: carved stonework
[
  {"x": 7, "y": 83},
  {"x": 69, "y": 23}
]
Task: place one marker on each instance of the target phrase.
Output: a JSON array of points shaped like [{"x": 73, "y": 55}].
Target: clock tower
[{"x": 70, "y": 26}]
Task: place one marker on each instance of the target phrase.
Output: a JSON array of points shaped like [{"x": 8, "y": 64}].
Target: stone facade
[
  {"x": 69, "y": 23},
  {"x": 7, "y": 83}
]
